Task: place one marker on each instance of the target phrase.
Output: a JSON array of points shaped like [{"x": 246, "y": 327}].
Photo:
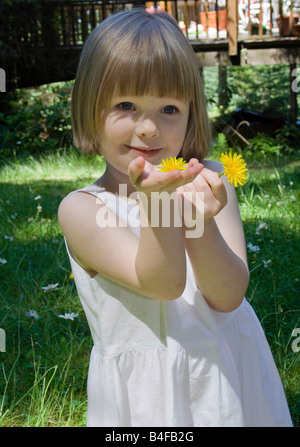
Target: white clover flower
[
  {"x": 253, "y": 248},
  {"x": 3, "y": 261},
  {"x": 50, "y": 287},
  {"x": 266, "y": 263},
  {"x": 37, "y": 197},
  {"x": 32, "y": 314},
  {"x": 261, "y": 226},
  {"x": 70, "y": 316},
  {"x": 8, "y": 238}
]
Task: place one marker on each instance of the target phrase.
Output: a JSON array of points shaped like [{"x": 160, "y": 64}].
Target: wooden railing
[
  {"x": 73, "y": 20},
  {"x": 41, "y": 38},
  {"x": 199, "y": 20}
]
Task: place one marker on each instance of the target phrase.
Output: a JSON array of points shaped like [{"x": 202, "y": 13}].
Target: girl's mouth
[{"x": 144, "y": 152}]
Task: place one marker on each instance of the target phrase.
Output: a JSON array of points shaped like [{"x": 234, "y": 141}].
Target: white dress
[{"x": 174, "y": 363}]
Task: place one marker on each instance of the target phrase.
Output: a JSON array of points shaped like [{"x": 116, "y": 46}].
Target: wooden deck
[{"x": 40, "y": 41}]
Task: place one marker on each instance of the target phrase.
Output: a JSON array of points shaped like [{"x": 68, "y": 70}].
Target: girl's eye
[
  {"x": 126, "y": 106},
  {"x": 169, "y": 109}
]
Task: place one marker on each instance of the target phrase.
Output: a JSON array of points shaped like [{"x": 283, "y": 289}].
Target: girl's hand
[
  {"x": 214, "y": 200},
  {"x": 146, "y": 178}
]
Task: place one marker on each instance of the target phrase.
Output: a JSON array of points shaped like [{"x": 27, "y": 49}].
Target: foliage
[
  {"x": 264, "y": 145},
  {"x": 38, "y": 121},
  {"x": 220, "y": 144},
  {"x": 261, "y": 146},
  {"x": 264, "y": 89},
  {"x": 288, "y": 137}
]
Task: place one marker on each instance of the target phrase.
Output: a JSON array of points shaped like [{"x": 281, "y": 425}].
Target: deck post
[
  {"x": 222, "y": 90},
  {"x": 232, "y": 27}
]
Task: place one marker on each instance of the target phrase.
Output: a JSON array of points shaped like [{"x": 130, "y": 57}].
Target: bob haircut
[{"x": 136, "y": 53}]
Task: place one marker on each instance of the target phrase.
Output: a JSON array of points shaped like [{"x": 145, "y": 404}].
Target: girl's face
[{"x": 147, "y": 126}]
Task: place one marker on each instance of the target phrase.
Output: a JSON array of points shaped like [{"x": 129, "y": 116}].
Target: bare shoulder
[
  {"x": 77, "y": 216},
  {"x": 76, "y": 205},
  {"x": 92, "y": 231}
]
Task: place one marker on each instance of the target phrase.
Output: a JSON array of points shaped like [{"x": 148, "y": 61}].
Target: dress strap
[{"x": 91, "y": 189}]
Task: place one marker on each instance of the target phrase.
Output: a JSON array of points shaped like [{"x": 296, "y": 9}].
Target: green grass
[
  {"x": 44, "y": 369},
  {"x": 270, "y": 212}
]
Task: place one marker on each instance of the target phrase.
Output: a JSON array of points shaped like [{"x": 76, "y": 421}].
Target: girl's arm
[
  {"x": 152, "y": 265},
  {"x": 219, "y": 256}
]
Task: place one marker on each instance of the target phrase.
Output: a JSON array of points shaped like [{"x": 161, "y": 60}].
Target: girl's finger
[
  {"x": 192, "y": 162},
  {"x": 135, "y": 169},
  {"x": 215, "y": 183},
  {"x": 193, "y": 170},
  {"x": 177, "y": 178}
]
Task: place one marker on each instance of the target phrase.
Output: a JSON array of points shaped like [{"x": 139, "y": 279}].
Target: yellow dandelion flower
[
  {"x": 171, "y": 163},
  {"x": 235, "y": 168},
  {"x": 71, "y": 276}
]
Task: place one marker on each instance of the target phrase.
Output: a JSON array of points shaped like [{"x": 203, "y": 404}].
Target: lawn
[{"x": 44, "y": 369}]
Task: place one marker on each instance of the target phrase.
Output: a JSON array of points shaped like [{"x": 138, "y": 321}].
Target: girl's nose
[{"x": 146, "y": 127}]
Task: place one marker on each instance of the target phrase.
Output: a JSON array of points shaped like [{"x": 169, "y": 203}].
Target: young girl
[{"x": 175, "y": 342}]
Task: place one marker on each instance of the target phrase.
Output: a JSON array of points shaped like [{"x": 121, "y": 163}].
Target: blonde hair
[{"x": 137, "y": 53}]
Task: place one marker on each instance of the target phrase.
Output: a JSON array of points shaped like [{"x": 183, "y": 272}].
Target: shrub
[{"x": 37, "y": 121}]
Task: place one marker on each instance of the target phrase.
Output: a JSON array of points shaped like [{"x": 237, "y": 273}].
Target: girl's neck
[{"x": 112, "y": 179}]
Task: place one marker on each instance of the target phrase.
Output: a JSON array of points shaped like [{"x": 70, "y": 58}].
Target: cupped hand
[
  {"x": 213, "y": 199},
  {"x": 146, "y": 178}
]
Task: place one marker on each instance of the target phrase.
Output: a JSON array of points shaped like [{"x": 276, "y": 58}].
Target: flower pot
[
  {"x": 286, "y": 24},
  {"x": 212, "y": 19}
]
